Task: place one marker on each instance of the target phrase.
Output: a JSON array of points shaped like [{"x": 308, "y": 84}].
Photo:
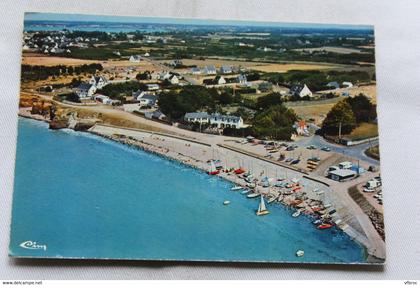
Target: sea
[{"x": 77, "y": 195}]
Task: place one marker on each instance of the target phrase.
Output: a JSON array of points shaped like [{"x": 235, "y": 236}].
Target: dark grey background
[{"x": 397, "y": 28}]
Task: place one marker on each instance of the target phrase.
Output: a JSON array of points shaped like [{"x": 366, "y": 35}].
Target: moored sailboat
[
  {"x": 236, "y": 188},
  {"x": 262, "y": 210},
  {"x": 213, "y": 170}
]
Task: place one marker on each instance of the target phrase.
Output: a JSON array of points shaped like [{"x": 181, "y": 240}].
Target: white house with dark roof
[
  {"x": 226, "y": 121},
  {"x": 174, "y": 79},
  {"x": 220, "y": 80},
  {"x": 226, "y": 69},
  {"x": 145, "y": 98},
  {"x": 85, "y": 90},
  {"x": 241, "y": 79},
  {"x": 300, "y": 91},
  {"x": 98, "y": 81},
  {"x": 199, "y": 117},
  {"x": 215, "y": 119},
  {"x": 135, "y": 58},
  {"x": 209, "y": 69},
  {"x": 195, "y": 70}
]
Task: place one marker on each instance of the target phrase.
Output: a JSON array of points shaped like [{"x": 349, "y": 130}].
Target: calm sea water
[
  {"x": 84, "y": 196},
  {"x": 110, "y": 27}
]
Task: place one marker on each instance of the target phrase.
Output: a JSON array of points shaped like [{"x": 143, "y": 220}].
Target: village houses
[{"x": 215, "y": 120}]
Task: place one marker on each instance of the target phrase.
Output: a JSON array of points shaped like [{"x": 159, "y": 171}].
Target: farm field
[
  {"x": 364, "y": 131},
  {"x": 342, "y": 50},
  {"x": 316, "y": 110},
  {"x": 368, "y": 90},
  {"x": 258, "y": 66}
]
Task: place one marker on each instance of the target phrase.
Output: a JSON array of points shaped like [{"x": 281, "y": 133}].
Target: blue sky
[{"x": 30, "y": 16}]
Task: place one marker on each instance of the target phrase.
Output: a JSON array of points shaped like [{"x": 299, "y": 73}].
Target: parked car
[{"x": 367, "y": 190}]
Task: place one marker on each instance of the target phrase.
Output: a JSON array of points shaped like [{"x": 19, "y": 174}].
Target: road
[{"x": 357, "y": 151}]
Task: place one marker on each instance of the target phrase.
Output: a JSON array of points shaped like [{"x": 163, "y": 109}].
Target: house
[
  {"x": 173, "y": 79},
  {"x": 176, "y": 63},
  {"x": 209, "y": 69},
  {"x": 300, "y": 91},
  {"x": 195, "y": 70},
  {"x": 85, "y": 90},
  {"x": 333, "y": 85},
  {"x": 98, "y": 81},
  {"x": 342, "y": 174},
  {"x": 135, "y": 58},
  {"x": 165, "y": 75},
  {"x": 241, "y": 79},
  {"x": 154, "y": 75},
  {"x": 103, "y": 99},
  {"x": 200, "y": 117},
  {"x": 347, "y": 84},
  {"x": 226, "y": 121},
  {"x": 145, "y": 98},
  {"x": 301, "y": 128},
  {"x": 158, "y": 115},
  {"x": 152, "y": 87},
  {"x": 219, "y": 80},
  {"x": 345, "y": 165},
  {"x": 225, "y": 69}
]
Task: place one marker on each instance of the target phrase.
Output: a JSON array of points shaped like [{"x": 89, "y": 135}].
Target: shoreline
[{"x": 190, "y": 161}]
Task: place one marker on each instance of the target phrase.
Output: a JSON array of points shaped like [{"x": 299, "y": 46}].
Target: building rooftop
[
  {"x": 343, "y": 172},
  {"x": 196, "y": 115}
]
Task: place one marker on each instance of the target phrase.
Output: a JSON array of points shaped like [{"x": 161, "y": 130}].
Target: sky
[{"x": 31, "y": 16}]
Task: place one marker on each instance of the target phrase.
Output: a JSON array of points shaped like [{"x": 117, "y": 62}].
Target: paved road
[{"x": 357, "y": 151}]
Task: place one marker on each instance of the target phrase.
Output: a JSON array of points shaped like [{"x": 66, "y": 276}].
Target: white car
[{"x": 368, "y": 190}]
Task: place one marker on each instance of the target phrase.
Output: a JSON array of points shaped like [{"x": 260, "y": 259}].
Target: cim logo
[{"x": 33, "y": 245}]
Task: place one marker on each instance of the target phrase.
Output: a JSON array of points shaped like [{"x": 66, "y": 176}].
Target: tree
[
  {"x": 363, "y": 109},
  {"x": 225, "y": 98},
  {"x": 275, "y": 123},
  {"x": 189, "y": 99},
  {"x": 72, "y": 97},
  {"x": 341, "y": 113},
  {"x": 253, "y": 76},
  {"x": 143, "y": 76},
  {"x": 268, "y": 100}
]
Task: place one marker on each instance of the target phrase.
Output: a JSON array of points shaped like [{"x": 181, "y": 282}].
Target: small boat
[
  {"x": 239, "y": 171},
  {"x": 317, "y": 222},
  {"x": 262, "y": 210},
  {"x": 324, "y": 226},
  {"x": 249, "y": 179},
  {"x": 213, "y": 170},
  {"x": 246, "y": 191},
  {"x": 253, "y": 195},
  {"x": 300, "y": 253},
  {"x": 251, "y": 185},
  {"x": 236, "y": 188},
  {"x": 296, "y": 214},
  {"x": 226, "y": 202}
]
